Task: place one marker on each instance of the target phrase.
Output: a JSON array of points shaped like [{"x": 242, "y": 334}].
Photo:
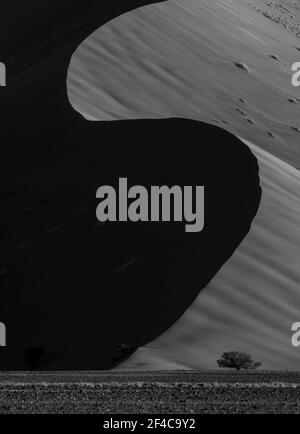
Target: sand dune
[
  {"x": 179, "y": 58},
  {"x": 73, "y": 290},
  {"x": 223, "y": 63},
  {"x": 226, "y": 63},
  {"x": 252, "y": 302}
]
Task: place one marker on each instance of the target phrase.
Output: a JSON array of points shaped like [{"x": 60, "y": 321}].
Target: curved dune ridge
[
  {"x": 183, "y": 58},
  {"x": 252, "y": 302},
  {"x": 73, "y": 289}
]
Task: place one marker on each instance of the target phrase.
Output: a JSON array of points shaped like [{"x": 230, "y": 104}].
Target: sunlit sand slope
[
  {"x": 73, "y": 289},
  {"x": 223, "y": 63},
  {"x": 186, "y": 58},
  {"x": 251, "y": 304}
]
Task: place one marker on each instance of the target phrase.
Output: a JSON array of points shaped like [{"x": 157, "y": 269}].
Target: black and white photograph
[{"x": 149, "y": 210}]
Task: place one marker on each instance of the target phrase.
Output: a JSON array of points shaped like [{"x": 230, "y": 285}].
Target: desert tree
[
  {"x": 237, "y": 360},
  {"x": 123, "y": 351},
  {"x": 32, "y": 357}
]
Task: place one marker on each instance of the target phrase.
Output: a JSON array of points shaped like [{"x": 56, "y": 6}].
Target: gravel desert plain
[{"x": 150, "y": 392}]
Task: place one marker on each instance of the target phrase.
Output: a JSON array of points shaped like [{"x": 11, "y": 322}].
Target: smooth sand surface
[
  {"x": 72, "y": 288},
  {"x": 252, "y": 302},
  {"x": 180, "y": 58}
]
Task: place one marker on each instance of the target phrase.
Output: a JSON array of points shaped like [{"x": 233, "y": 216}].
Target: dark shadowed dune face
[{"x": 65, "y": 286}]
